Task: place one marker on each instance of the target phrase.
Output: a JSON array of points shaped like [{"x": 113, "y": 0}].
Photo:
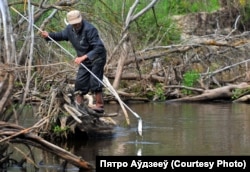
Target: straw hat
[{"x": 74, "y": 17}]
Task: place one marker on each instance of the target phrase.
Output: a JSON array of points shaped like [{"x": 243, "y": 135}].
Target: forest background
[
  {"x": 154, "y": 50},
  {"x": 158, "y": 50}
]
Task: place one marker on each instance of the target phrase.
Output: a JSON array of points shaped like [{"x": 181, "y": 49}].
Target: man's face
[{"x": 77, "y": 26}]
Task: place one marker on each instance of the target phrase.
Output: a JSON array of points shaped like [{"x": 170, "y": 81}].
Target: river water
[{"x": 167, "y": 129}]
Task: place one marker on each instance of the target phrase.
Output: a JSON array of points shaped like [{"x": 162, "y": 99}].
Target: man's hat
[{"x": 74, "y": 17}]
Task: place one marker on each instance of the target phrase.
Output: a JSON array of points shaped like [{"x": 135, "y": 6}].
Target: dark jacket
[{"x": 87, "y": 41}]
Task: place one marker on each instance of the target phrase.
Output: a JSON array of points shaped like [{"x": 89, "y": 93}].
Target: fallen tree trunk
[
  {"x": 18, "y": 134},
  {"x": 221, "y": 93}
]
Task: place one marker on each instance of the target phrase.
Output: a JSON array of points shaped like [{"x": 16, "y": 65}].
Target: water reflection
[
  {"x": 198, "y": 129},
  {"x": 182, "y": 129},
  {"x": 173, "y": 129}
]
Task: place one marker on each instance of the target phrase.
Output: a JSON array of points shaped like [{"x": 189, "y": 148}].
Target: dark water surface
[{"x": 168, "y": 129}]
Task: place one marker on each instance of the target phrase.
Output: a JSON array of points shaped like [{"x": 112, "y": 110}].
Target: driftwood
[
  {"x": 221, "y": 93},
  {"x": 17, "y": 134},
  {"x": 245, "y": 98},
  {"x": 61, "y": 113}
]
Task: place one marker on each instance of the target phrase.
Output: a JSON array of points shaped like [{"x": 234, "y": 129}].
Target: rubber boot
[
  {"x": 79, "y": 99},
  {"x": 99, "y": 105},
  {"x": 79, "y": 104}
]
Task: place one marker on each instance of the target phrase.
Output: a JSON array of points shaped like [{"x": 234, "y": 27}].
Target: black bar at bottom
[{"x": 172, "y": 163}]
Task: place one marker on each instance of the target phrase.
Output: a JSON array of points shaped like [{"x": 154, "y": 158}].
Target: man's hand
[
  {"x": 78, "y": 60},
  {"x": 44, "y": 34}
]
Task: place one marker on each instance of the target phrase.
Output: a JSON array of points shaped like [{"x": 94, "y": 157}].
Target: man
[{"x": 90, "y": 52}]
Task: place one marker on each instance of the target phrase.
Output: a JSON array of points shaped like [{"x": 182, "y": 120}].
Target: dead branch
[{"x": 15, "y": 133}]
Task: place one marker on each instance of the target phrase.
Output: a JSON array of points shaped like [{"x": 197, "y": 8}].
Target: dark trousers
[{"x": 85, "y": 81}]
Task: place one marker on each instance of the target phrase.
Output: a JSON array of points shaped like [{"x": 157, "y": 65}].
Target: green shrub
[
  {"x": 237, "y": 93},
  {"x": 190, "y": 78}
]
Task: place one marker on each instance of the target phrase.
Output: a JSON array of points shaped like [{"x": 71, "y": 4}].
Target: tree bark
[{"x": 8, "y": 51}]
